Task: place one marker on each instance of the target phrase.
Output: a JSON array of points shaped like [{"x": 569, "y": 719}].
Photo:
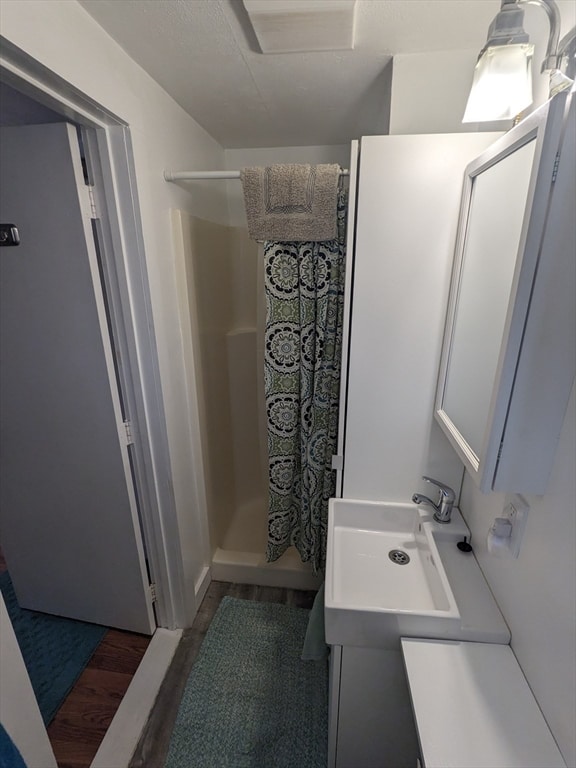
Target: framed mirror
[{"x": 503, "y": 214}]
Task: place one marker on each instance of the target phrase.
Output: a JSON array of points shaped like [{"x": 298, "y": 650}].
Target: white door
[{"x": 68, "y": 519}]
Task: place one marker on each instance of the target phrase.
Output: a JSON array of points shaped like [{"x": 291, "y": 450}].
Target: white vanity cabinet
[
  {"x": 509, "y": 356},
  {"x": 473, "y": 707},
  {"x": 371, "y": 722}
]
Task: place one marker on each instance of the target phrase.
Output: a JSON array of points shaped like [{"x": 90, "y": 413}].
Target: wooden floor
[
  {"x": 153, "y": 746},
  {"x": 83, "y": 719},
  {"x": 81, "y": 722}
]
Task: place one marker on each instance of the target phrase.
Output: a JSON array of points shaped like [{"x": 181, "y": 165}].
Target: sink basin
[
  {"x": 385, "y": 577},
  {"x": 371, "y": 598},
  {"x": 384, "y": 559}
]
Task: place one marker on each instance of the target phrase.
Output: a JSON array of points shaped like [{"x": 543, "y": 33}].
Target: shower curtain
[{"x": 304, "y": 283}]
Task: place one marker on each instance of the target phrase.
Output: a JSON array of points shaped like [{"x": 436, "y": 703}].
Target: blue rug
[
  {"x": 250, "y": 701},
  {"x": 55, "y": 650},
  {"x": 10, "y": 756}
]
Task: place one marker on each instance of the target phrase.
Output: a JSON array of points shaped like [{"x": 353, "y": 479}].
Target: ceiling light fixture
[{"x": 502, "y": 85}]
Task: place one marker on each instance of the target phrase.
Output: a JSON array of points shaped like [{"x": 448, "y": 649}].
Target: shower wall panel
[
  {"x": 243, "y": 276},
  {"x": 243, "y": 372},
  {"x": 208, "y": 254}
]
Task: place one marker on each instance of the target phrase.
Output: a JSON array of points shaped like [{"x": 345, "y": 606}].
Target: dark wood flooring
[
  {"x": 153, "y": 746},
  {"x": 83, "y": 719}
]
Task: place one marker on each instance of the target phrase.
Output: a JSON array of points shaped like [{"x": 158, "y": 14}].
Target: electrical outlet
[
  {"x": 510, "y": 513},
  {"x": 516, "y": 511}
]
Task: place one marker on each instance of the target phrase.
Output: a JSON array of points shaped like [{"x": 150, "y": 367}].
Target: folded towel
[{"x": 291, "y": 202}]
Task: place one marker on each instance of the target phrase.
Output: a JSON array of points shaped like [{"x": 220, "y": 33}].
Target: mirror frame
[{"x": 545, "y": 127}]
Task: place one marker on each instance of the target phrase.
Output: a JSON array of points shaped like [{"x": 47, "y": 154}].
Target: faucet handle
[{"x": 447, "y": 493}]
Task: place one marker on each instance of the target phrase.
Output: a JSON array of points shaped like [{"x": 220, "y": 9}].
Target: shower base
[
  {"x": 241, "y": 557},
  {"x": 252, "y": 568}
]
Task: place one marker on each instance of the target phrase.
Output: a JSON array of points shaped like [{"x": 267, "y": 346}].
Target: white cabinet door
[
  {"x": 508, "y": 358},
  {"x": 409, "y": 191},
  {"x": 375, "y": 724},
  {"x": 68, "y": 517}
]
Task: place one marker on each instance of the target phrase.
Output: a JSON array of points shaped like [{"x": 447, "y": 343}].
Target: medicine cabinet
[{"x": 507, "y": 363}]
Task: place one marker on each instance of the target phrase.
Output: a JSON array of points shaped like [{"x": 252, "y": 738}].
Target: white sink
[
  {"x": 364, "y": 575},
  {"x": 373, "y": 600}
]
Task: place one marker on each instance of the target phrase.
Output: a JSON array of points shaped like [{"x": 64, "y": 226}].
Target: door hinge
[
  {"x": 556, "y": 164},
  {"x": 92, "y": 202},
  {"x": 337, "y": 462},
  {"x": 153, "y": 595},
  {"x": 128, "y": 433}
]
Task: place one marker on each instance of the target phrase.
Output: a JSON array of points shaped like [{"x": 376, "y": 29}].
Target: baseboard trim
[{"x": 121, "y": 739}]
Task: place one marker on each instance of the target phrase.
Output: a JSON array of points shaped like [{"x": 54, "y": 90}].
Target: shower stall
[{"x": 225, "y": 291}]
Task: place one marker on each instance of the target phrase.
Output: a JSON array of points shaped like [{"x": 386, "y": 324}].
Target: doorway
[
  {"x": 106, "y": 142},
  {"x": 124, "y": 274},
  {"x": 60, "y": 386}
]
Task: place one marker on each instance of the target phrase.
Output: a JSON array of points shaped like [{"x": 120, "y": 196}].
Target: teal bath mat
[
  {"x": 55, "y": 650},
  {"x": 250, "y": 701}
]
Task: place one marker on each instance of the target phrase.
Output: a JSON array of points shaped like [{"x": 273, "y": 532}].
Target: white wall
[
  {"x": 537, "y": 592},
  {"x": 429, "y": 93},
  {"x": 64, "y": 38},
  {"x": 430, "y": 90},
  {"x": 236, "y": 159}
]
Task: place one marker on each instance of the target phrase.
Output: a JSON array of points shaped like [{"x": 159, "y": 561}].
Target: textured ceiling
[{"x": 204, "y": 53}]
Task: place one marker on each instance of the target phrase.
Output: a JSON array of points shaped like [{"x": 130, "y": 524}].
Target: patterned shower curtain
[{"x": 304, "y": 284}]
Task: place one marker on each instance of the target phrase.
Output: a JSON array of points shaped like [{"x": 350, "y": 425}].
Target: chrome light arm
[{"x": 553, "y": 58}]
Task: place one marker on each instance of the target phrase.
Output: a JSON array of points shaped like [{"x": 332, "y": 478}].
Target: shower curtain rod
[{"x": 196, "y": 175}]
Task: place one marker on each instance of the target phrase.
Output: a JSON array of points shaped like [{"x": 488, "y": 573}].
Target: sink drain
[{"x": 398, "y": 556}]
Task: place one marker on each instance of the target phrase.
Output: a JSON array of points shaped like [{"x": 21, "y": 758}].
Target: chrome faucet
[{"x": 443, "y": 509}]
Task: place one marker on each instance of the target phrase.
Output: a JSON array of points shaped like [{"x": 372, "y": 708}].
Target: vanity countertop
[
  {"x": 480, "y": 617},
  {"x": 473, "y": 707}
]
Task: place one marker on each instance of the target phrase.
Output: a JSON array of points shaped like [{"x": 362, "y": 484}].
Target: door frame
[{"x": 109, "y": 153}]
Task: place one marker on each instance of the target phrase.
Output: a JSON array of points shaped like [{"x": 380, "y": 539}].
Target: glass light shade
[{"x": 502, "y": 85}]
